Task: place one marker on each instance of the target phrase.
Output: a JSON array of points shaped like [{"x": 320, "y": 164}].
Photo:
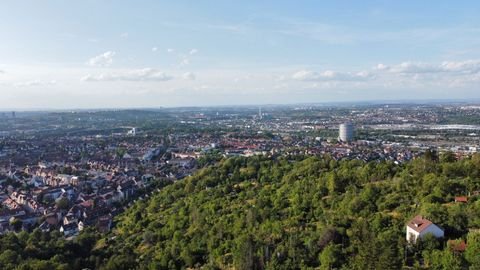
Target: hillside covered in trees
[{"x": 281, "y": 213}]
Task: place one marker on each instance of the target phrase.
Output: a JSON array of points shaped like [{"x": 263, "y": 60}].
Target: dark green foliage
[
  {"x": 279, "y": 213},
  {"x": 48, "y": 251},
  {"x": 472, "y": 254},
  {"x": 261, "y": 213}
]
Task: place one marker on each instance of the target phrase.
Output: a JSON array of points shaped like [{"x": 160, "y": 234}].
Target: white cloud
[
  {"x": 103, "y": 60},
  {"x": 154, "y": 49},
  {"x": 183, "y": 58},
  {"x": 408, "y": 74},
  {"x": 448, "y": 74},
  {"x": 461, "y": 67},
  {"x": 185, "y": 61},
  {"x": 145, "y": 74},
  {"x": 124, "y": 35},
  {"x": 329, "y": 75},
  {"x": 381, "y": 67},
  {"x": 413, "y": 67},
  {"x": 188, "y": 76},
  {"x": 34, "y": 83},
  {"x": 466, "y": 67},
  {"x": 193, "y": 51}
]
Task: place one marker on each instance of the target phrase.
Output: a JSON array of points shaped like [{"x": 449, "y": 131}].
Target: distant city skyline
[{"x": 124, "y": 54}]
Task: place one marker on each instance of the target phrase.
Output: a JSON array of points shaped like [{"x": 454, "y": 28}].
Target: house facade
[{"x": 419, "y": 226}]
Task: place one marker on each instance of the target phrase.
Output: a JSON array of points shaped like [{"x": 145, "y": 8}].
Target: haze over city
[{"x": 108, "y": 54}]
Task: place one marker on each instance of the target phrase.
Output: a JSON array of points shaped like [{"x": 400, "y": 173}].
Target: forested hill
[
  {"x": 258, "y": 213},
  {"x": 264, "y": 213}
]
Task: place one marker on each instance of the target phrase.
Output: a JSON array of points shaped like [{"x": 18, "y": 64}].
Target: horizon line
[{"x": 326, "y": 103}]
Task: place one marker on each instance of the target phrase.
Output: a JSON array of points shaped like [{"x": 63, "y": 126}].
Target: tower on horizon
[{"x": 346, "y": 132}]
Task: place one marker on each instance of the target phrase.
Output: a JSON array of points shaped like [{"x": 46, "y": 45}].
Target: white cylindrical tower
[{"x": 346, "y": 132}]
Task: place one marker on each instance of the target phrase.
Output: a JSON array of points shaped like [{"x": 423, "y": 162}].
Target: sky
[{"x": 129, "y": 54}]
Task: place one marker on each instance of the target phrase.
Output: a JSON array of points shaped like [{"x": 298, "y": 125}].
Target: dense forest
[{"x": 281, "y": 213}]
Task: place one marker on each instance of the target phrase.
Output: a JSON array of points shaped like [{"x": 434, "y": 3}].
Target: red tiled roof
[
  {"x": 457, "y": 245},
  {"x": 419, "y": 223},
  {"x": 461, "y": 199}
]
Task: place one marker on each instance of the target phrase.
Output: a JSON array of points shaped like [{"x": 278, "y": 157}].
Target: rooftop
[{"x": 419, "y": 223}]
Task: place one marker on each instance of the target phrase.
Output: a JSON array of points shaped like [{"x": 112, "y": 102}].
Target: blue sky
[{"x": 84, "y": 54}]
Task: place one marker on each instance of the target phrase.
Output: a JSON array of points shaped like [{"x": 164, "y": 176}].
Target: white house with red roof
[{"x": 419, "y": 226}]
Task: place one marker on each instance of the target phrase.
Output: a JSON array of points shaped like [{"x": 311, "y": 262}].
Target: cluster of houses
[
  {"x": 39, "y": 196},
  {"x": 71, "y": 196},
  {"x": 84, "y": 179}
]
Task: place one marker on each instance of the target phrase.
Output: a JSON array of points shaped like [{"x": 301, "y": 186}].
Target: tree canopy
[{"x": 279, "y": 213}]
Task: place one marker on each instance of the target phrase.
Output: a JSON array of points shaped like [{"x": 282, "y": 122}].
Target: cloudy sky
[{"x": 91, "y": 54}]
